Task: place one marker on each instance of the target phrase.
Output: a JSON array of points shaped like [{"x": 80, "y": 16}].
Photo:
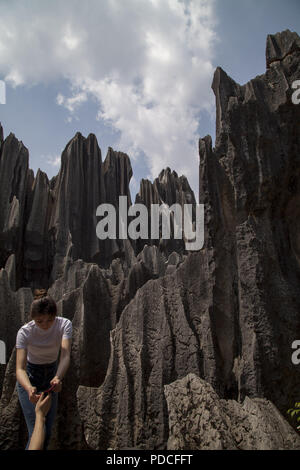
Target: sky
[{"x": 136, "y": 73}]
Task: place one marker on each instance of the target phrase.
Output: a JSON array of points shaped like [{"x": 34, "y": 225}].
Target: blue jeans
[{"x": 39, "y": 376}]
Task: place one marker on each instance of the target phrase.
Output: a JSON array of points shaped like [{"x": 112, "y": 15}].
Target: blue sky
[{"x": 136, "y": 73}]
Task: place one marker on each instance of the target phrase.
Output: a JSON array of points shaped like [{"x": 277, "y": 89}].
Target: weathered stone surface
[
  {"x": 1, "y": 136},
  {"x": 79, "y": 189},
  {"x": 280, "y": 45},
  {"x": 10, "y": 268},
  {"x": 76, "y": 294},
  {"x": 200, "y": 420},
  {"x": 249, "y": 185},
  {"x": 117, "y": 173},
  {"x": 154, "y": 342},
  {"x": 14, "y": 312},
  {"x": 12, "y": 425},
  {"x": 13, "y": 186},
  {"x": 37, "y": 258},
  {"x": 167, "y": 189}
]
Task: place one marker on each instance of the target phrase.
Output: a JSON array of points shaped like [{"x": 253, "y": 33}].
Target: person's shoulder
[
  {"x": 65, "y": 326},
  {"x": 24, "y": 334},
  {"x": 27, "y": 327},
  {"x": 63, "y": 322}
]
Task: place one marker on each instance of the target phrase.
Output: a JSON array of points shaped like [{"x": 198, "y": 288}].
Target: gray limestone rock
[
  {"x": 78, "y": 190},
  {"x": 167, "y": 189},
  {"x": 37, "y": 259},
  {"x": 249, "y": 185},
  {"x": 200, "y": 420},
  {"x": 280, "y": 45},
  {"x": 10, "y": 268},
  {"x": 13, "y": 187},
  {"x": 1, "y": 136}
]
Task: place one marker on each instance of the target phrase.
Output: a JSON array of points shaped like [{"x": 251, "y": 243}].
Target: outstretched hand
[{"x": 43, "y": 405}]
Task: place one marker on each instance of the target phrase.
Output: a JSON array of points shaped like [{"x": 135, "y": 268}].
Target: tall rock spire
[
  {"x": 13, "y": 194},
  {"x": 79, "y": 189}
]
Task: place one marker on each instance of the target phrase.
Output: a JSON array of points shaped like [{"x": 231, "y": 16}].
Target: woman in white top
[{"x": 37, "y": 369}]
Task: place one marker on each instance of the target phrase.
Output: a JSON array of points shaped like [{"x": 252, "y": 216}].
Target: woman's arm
[
  {"x": 22, "y": 376},
  {"x": 64, "y": 363}
]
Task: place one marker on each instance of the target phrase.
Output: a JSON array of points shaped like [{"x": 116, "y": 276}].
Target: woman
[{"x": 37, "y": 369}]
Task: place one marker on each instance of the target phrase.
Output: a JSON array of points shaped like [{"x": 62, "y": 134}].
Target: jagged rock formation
[
  {"x": 14, "y": 177},
  {"x": 145, "y": 315},
  {"x": 54, "y": 247},
  {"x": 42, "y": 222},
  {"x": 200, "y": 420},
  {"x": 249, "y": 184},
  {"x": 168, "y": 189}
]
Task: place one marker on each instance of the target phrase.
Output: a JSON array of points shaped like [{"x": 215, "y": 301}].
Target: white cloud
[
  {"x": 72, "y": 103},
  {"x": 147, "y": 62},
  {"x": 53, "y": 160},
  {"x": 70, "y": 39}
]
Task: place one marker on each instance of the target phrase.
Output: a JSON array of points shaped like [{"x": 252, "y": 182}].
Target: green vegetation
[{"x": 295, "y": 413}]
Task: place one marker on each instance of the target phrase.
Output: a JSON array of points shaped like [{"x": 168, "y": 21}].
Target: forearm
[
  {"x": 38, "y": 435},
  {"x": 23, "y": 379},
  {"x": 63, "y": 366}
]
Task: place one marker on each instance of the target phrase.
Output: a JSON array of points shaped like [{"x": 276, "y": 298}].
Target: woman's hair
[{"x": 42, "y": 304}]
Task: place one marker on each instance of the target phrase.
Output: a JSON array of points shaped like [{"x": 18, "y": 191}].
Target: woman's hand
[
  {"x": 57, "y": 383},
  {"x": 32, "y": 395}
]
